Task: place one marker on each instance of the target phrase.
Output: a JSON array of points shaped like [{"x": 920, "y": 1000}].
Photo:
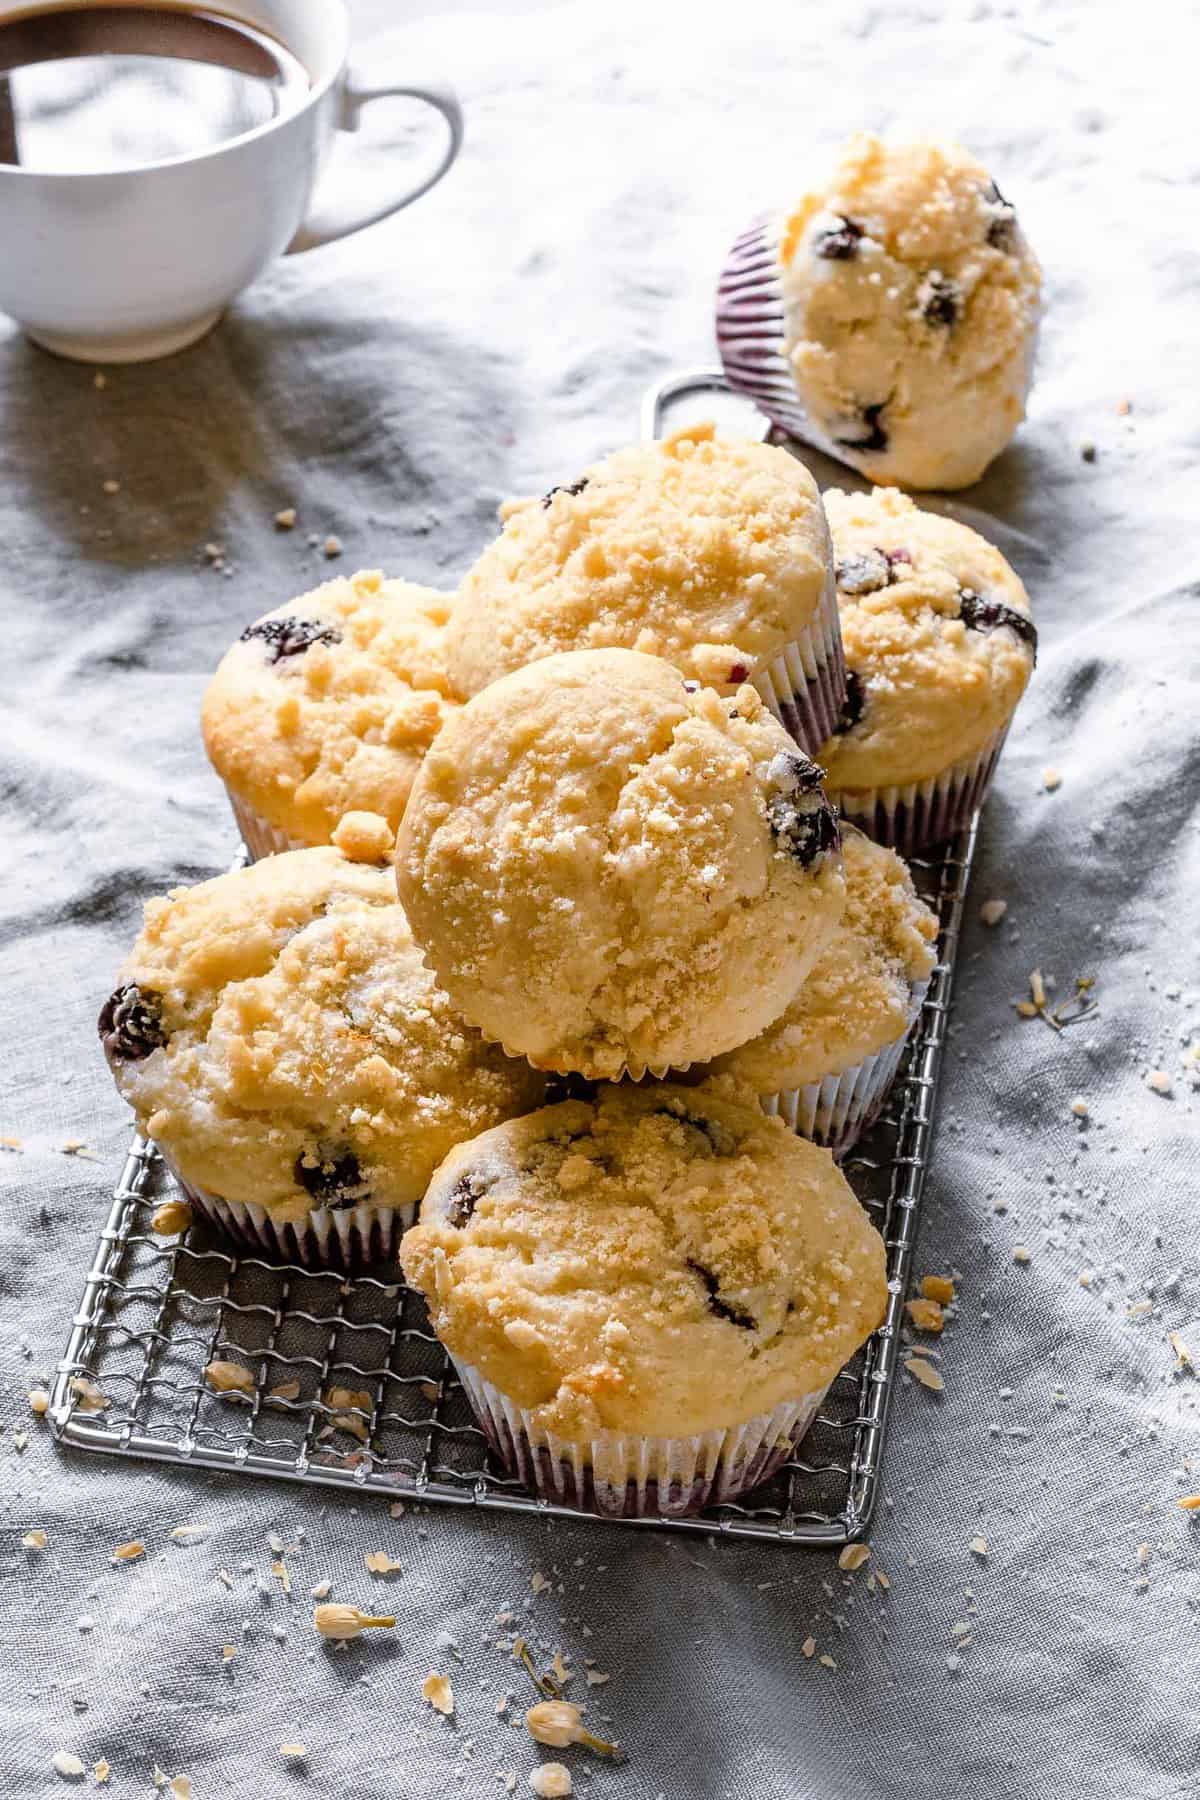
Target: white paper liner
[
  {"x": 326, "y": 1237},
  {"x": 629, "y": 1476},
  {"x": 260, "y": 837},
  {"x": 805, "y": 684},
  {"x": 836, "y": 1110},
  {"x": 912, "y": 817}
]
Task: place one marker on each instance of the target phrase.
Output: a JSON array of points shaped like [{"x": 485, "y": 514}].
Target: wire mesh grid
[{"x": 155, "y": 1313}]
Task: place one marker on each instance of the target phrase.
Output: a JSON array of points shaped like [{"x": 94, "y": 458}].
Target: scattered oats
[
  {"x": 396, "y": 1509},
  {"x": 808, "y": 1647},
  {"x": 228, "y": 1652},
  {"x": 39, "y": 1401},
  {"x": 322, "y": 1590},
  {"x": 91, "y": 1398},
  {"x": 275, "y": 1543},
  {"x": 826, "y": 1661},
  {"x": 1158, "y": 1081},
  {"x": 279, "y": 1570},
  {"x": 437, "y": 1690},
  {"x": 1079, "y": 1107},
  {"x": 285, "y": 519},
  {"x": 339, "y": 1400},
  {"x": 36, "y": 1539},
  {"x": 1085, "y": 1278},
  {"x": 854, "y": 1556},
  {"x": 111, "y": 486},
  {"x": 67, "y": 1764},
  {"x": 332, "y": 545},
  {"x": 1190, "y": 1503},
  {"x": 293, "y": 1752},
  {"x": 883, "y": 1580},
  {"x": 559, "y": 1669},
  {"x": 1021, "y": 1254},
  {"x": 189, "y": 1534},
  {"x": 1051, "y": 779},
  {"x": 380, "y": 1563},
  {"x": 229, "y": 1378},
  {"x": 992, "y": 911},
  {"x": 926, "y": 1315},
  {"x": 954, "y": 1662},
  {"x": 1026, "y": 1008},
  {"x": 1139, "y": 1309},
  {"x": 978, "y": 1546},
  {"x": 924, "y": 1372},
  {"x": 1143, "y": 1553},
  {"x": 938, "y": 1287},
  {"x": 1037, "y": 988},
  {"x": 342, "y": 1621},
  {"x": 85, "y": 1622},
  {"x": 284, "y": 1390},
  {"x": 129, "y": 1552},
  {"x": 20, "y": 1441},
  {"x": 551, "y": 1781},
  {"x": 537, "y": 1581},
  {"x": 172, "y": 1218},
  {"x": 596, "y": 1677},
  {"x": 1183, "y": 1355},
  {"x": 181, "y": 1787},
  {"x": 225, "y": 1578},
  {"x": 101, "y": 1770}
]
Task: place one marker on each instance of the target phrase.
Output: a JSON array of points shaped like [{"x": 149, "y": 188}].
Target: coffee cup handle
[{"x": 324, "y": 225}]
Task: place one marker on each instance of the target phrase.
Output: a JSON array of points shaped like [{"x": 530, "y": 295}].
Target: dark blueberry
[
  {"x": 804, "y": 823},
  {"x": 979, "y": 614},
  {"x": 291, "y": 637},
  {"x": 1002, "y": 226},
  {"x": 464, "y": 1196},
  {"x": 840, "y": 244},
  {"x": 863, "y": 574},
  {"x": 867, "y": 432},
  {"x": 130, "y": 1023},
  {"x": 332, "y": 1176},
  {"x": 738, "y": 672},
  {"x": 941, "y": 301},
  {"x": 852, "y": 707},
  {"x": 574, "y": 487},
  {"x": 723, "y": 1308},
  {"x": 792, "y": 773}
]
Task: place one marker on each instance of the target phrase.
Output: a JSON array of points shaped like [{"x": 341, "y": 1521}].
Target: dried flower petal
[
  {"x": 228, "y": 1378},
  {"x": 1190, "y": 1503},
  {"x": 35, "y": 1539},
  {"x": 189, "y": 1534},
  {"x": 925, "y": 1373},
  {"x": 293, "y": 1752},
  {"x": 172, "y": 1218},
  {"x": 380, "y": 1563},
  {"x": 978, "y": 1546},
  {"x": 101, "y": 1771},
  {"x": 854, "y": 1556},
  {"x": 284, "y": 1390},
  {"x": 437, "y": 1690},
  {"x": 926, "y": 1315},
  {"x": 91, "y": 1398},
  {"x": 129, "y": 1552},
  {"x": 938, "y": 1287}
]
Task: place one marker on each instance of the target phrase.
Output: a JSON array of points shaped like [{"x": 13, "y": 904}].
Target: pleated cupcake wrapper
[
  {"x": 911, "y": 818},
  {"x": 751, "y": 331},
  {"x": 326, "y": 1238},
  {"x": 805, "y": 684},
  {"x": 628, "y": 1071},
  {"x": 836, "y": 1110},
  {"x": 632, "y": 1477},
  {"x": 260, "y": 837}
]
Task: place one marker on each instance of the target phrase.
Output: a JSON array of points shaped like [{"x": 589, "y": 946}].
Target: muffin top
[
  {"x": 911, "y": 303},
  {"x": 938, "y": 639},
  {"x": 328, "y": 704},
  {"x": 711, "y": 552},
  {"x": 608, "y": 866},
  {"x": 858, "y": 998},
  {"x": 276, "y": 1032},
  {"x": 663, "y": 1261}
]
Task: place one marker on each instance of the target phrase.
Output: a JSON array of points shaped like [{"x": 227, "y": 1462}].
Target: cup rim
[{"x": 222, "y": 9}]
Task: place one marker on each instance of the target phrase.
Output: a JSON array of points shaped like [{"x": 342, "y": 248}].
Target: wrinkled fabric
[{"x": 494, "y": 339}]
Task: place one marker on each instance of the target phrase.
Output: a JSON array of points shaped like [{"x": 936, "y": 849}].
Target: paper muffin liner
[
  {"x": 627, "y": 1476},
  {"x": 911, "y": 817},
  {"x": 805, "y": 684},
  {"x": 326, "y": 1238},
  {"x": 260, "y": 837},
  {"x": 836, "y": 1110},
  {"x": 751, "y": 331}
]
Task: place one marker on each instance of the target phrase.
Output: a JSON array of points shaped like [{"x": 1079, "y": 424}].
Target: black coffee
[{"x": 116, "y": 87}]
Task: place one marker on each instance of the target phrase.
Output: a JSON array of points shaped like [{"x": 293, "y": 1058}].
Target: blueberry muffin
[
  {"x": 827, "y": 1062},
  {"x": 646, "y": 1294},
  {"x": 280, "y": 1039},
  {"x": 611, "y": 869},
  {"x": 939, "y": 648},
  {"x": 890, "y": 317},
  {"x": 711, "y": 552},
  {"x": 326, "y": 706}
]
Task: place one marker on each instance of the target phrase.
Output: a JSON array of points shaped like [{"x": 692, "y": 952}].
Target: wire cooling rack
[{"x": 349, "y": 1386}]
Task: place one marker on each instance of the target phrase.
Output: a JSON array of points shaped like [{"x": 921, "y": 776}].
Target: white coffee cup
[{"x": 125, "y": 266}]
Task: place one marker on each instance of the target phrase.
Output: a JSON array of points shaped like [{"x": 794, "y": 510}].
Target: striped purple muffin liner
[
  {"x": 324, "y": 1238},
  {"x": 805, "y": 685},
  {"x": 836, "y": 1110},
  {"x": 627, "y": 1476},
  {"x": 260, "y": 837},
  {"x": 911, "y": 818}
]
